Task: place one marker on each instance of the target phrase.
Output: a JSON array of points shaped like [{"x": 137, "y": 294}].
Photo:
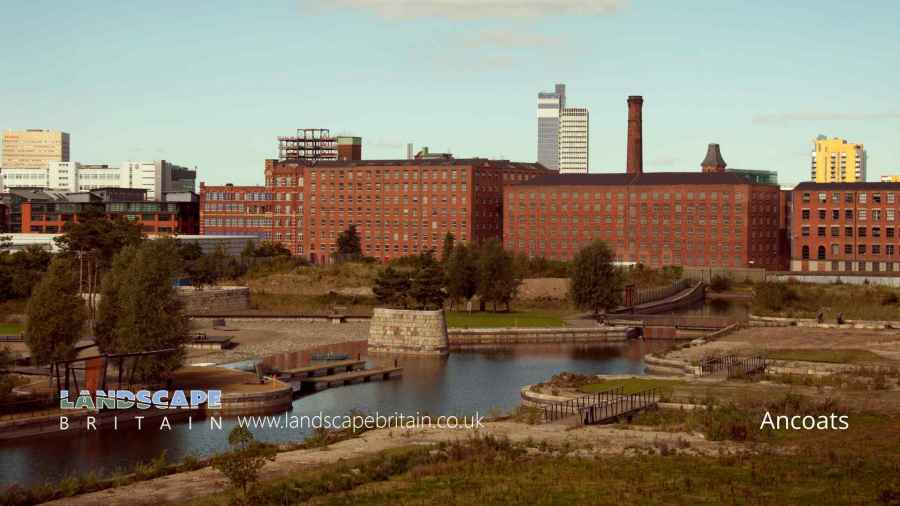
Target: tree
[
  {"x": 249, "y": 249},
  {"x": 391, "y": 287},
  {"x": 461, "y": 273},
  {"x": 190, "y": 251},
  {"x": 100, "y": 235},
  {"x": 448, "y": 247},
  {"x": 595, "y": 284},
  {"x": 210, "y": 268},
  {"x": 349, "y": 245},
  {"x": 241, "y": 465},
  {"x": 498, "y": 279},
  {"x": 6, "y": 381},
  {"x": 109, "y": 308},
  {"x": 55, "y": 314},
  {"x": 147, "y": 313},
  {"x": 427, "y": 281}
]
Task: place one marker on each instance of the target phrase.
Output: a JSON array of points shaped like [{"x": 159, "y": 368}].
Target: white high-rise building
[
  {"x": 549, "y": 106},
  {"x": 573, "y": 140},
  {"x": 157, "y": 177},
  {"x": 562, "y": 133}
]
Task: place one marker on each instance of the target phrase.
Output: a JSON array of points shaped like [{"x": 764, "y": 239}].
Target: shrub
[
  {"x": 720, "y": 283},
  {"x": 773, "y": 296},
  {"x": 889, "y": 299},
  {"x": 241, "y": 465}
]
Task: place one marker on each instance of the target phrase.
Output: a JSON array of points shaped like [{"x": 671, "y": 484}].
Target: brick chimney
[
  {"x": 713, "y": 161},
  {"x": 635, "y": 144}
]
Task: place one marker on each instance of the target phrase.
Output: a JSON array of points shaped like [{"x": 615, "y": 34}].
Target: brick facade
[
  {"x": 657, "y": 219},
  {"x": 845, "y": 227},
  {"x": 400, "y": 207},
  {"x": 154, "y": 217}
]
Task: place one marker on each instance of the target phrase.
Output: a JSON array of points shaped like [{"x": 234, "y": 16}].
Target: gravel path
[{"x": 264, "y": 338}]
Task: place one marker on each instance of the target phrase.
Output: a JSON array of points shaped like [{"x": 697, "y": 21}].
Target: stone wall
[
  {"x": 215, "y": 300},
  {"x": 406, "y": 331}
]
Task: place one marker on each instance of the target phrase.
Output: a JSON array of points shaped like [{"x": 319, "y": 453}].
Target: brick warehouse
[
  {"x": 400, "y": 207},
  {"x": 657, "y": 219},
  {"x": 845, "y": 227}
]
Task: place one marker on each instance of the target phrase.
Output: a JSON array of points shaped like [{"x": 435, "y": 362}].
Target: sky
[{"x": 213, "y": 84}]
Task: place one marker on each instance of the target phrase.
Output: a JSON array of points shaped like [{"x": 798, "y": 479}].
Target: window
[
  {"x": 848, "y": 249},
  {"x": 848, "y": 215},
  {"x": 861, "y": 232},
  {"x": 822, "y": 214},
  {"x": 805, "y": 214},
  {"x": 805, "y": 253},
  {"x": 862, "y": 249},
  {"x": 821, "y": 253}
]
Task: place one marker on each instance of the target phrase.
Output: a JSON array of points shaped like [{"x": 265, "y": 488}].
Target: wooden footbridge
[{"x": 602, "y": 407}]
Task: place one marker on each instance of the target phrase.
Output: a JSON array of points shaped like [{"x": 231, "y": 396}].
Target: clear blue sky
[{"x": 213, "y": 84}]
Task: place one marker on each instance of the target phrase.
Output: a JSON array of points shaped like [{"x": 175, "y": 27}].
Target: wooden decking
[
  {"x": 328, "y": 368},
  {"x": 350, "y": 376}
]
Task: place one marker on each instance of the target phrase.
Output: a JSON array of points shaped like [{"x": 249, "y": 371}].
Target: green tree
[
  {"x": 96, "y": 233},
  {"x": 249, "y": 249},
  {"x": 109, "y": 307},
  {"x": 595, "y": 284},
  {"x": 148, "y": 313},
  {"x": 190, "y": 251},
  {"x": 6, "y": 381},
  {"x": 447, "y": 249},
  {"x": 461, "y": 273},
  {"x": 241, "y": 465},
  {"x": 55, "y": 314},
  {"x": 391, "y": 287},
  {"x": 498, "y": 278},
  {"x": 427, "y": 282},
  {"x": 208, "y": 269},
  {"x": 349, "y": 244}
]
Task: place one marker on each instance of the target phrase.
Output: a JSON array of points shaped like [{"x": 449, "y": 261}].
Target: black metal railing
[
  {"x": 619, "y": 406},
  {"x": 572, "y": 407},
  {"x": 732, "y": 365}
]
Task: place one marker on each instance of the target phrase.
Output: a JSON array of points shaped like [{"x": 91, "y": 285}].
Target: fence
[
  {"x": 732, "y": 365},
  {"x": 652, "y": 294},
  {"x": 737, "y": 274},
  {"x": 572, "y": 407},
  {"x": 12, "y": 339},
  {"x": 683, "y": 322}
]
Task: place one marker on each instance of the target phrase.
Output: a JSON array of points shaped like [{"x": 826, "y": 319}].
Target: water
[
  {"x": 462, "y": 383},
  {"x": 737, "y": 309}
]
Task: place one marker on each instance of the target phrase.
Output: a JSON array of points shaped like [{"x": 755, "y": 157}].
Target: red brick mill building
[
  {"x": 400, "y": 207},
  {"x": 845, "y": 227},
  {"x": 656, "y": 219}
]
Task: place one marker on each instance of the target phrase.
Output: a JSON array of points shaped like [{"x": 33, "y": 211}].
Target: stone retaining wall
[
  {"x": 773, "y": 321},
  {"x": 408, "y": 331},
  {"x": 215, "y": 300},
  {"x": 471, "y": 337},
  {"x": 278, "y": 399}
]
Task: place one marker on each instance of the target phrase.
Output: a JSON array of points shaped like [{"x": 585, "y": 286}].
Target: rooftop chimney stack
[
  {"x": 635, "y": 144},
  {"x": 713, "y": 161}
]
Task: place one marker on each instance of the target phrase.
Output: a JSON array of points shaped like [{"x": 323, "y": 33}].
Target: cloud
[
  {"x": 792, "y": 117},
  {"x": 477, "y": 9},
  {"x": 504, "y": 38}
]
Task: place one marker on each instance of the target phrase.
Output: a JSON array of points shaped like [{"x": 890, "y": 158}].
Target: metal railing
[
  {"x": 732, "y": 365},
  {"x": 619, "y": 406},
  {"x": 572, "y": 407}
]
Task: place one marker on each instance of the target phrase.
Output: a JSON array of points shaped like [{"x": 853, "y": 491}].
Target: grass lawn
[
  {"x": 632, "y": 385},
  {"x": 10, "y": 329},
  {"x": 849, "y": 356},
  {"x": 512, "y": 319}
]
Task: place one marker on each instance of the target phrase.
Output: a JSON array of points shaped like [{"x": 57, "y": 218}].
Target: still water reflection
[{"x": 462, "y": 383}]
